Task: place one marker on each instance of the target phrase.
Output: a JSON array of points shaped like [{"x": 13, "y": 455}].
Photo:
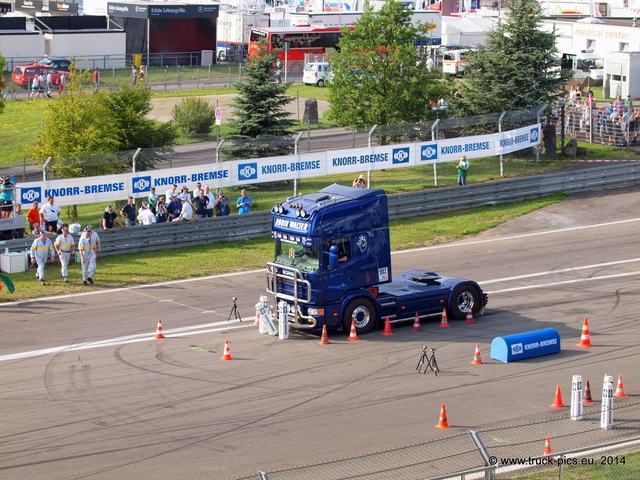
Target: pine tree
[
  {"x": 513, "y": 69},
  {"x": 259, "y": 111}
]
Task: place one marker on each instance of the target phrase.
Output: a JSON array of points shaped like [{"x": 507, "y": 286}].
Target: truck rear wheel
[
  {"x": 464, "y": 298},
  {"x": 363, "y": 312}
]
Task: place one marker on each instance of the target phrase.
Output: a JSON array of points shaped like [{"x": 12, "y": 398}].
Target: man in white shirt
[
  {"x": 171, "y": 192},
  {"x": 185, "y": 195},
  {"x": 196, "y": 191},
  {"x": 145, "y": 215},
  {"x": 187, "y": 212},
  {"x": 49, "y": 215}
]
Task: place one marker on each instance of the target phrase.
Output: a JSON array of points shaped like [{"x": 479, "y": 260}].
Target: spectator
[
  {"x": 244, "y": 203},
  {"x": 7, "y": 190},
  {"x": 201, "y": 204},
  {"x": 96, "y": 78},
  {"x": 173, "y": 190},
  {"x": 145, "y": 215},
  {"x": 184, "y": 194},
  {"x": 109, "y": 217},
  {"x": 628, "y": 103},
  {"x": 463, "y": 167},
  {"x": 64, "y": 82},
  {"x": 174, "y": 208},
  {"x": 457, "y": 93},
  {"x": 196, "y": 191},
  {"x": 35, "y": 230},
  {"x": 3, "y": 87},
  {"x": 359, "y": 182},
  {"x": 186, "y": 213},
  {"x": 41, "y": 249},
  {"x": 128, "y": 212},
  {"x": 161, "y": 211},
  {"x": 134, "y": 75},
  {"x": 33, "y": 216},
  {"x": 89, "y": 247},
  {"x": 619, "y": 106},
  {"x": 65, "y": 246},
  {"x": 49, "y": 84},
  {"x": 49, "y": 215},
  {"x": 153, "y": 200},
  {"x": 212, "y": 202},
  {"x": 430, "y": 64},
  {"x": 42, "y": 84},
  {"x": 34, "y": 93},
  {"x": 222, "y": 205}
]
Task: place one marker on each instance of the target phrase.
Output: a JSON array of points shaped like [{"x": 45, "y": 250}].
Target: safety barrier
[
  {"x": 511, "y": 348},
  {"x": 426, "y": 202}
]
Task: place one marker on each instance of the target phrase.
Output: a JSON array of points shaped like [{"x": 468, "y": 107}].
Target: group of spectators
[
  {"x": 175, "y": 206},
  {"x": 614, "y": 124}
]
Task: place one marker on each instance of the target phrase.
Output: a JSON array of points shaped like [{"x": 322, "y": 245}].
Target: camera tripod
[
  {"x": 428, "y": 361},
  {"x": 234, "y": 311}
]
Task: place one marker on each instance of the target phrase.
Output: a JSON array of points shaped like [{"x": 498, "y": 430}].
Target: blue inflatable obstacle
[{"x": 519, "y": 346}]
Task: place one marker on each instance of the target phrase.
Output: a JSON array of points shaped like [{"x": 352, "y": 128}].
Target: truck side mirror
[{"x": 334, "y": 257}]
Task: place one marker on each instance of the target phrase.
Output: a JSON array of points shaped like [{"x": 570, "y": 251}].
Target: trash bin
[
  {"x": 206, "y": 58},
  {"x": 310, "y": 111},
  {"x": 137, "y": 59}
]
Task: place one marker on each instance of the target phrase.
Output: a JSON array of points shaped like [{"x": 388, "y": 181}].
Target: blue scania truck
[{"x": 332, "y": 266}]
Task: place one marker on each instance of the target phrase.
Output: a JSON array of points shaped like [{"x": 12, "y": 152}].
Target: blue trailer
[{"x": 332, "y": 265}]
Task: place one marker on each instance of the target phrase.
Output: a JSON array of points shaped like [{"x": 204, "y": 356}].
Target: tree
[
  {"x": 378, "y": 77},
  {"x": 513, "y": 69},
  {"x": 259, "y": 111}
]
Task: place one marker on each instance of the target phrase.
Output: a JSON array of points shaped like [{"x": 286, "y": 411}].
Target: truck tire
[
  {"x": 363, "y": 312},
  {"x": 464, "y": 298}
]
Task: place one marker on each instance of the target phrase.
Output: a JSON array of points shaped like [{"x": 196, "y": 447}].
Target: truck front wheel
[
  {"x": 464, "y": 298},
  {"x": 362, "y": 312}
]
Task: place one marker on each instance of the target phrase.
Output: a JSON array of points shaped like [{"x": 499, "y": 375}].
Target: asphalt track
[{"x": 88, "y": 393}]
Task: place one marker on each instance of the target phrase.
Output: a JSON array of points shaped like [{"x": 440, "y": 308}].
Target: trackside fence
[
  {"x": 256, "y": 225},
  {"x": 580, "y": 450}
]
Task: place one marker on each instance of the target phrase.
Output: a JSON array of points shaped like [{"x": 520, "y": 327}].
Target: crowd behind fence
[{"x": 582, "y": 118}]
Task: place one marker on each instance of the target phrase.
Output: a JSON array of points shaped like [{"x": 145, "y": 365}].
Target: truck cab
[{"x": 332, "y": 266}]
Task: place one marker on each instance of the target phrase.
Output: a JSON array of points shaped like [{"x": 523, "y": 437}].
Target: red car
[{"x": 23, "y": 74}]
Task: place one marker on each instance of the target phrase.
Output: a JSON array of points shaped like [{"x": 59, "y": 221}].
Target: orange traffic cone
[
  {"x": 387, "y": 328},
  {"x": 477, "y": 360},
  {"x": 547, "y": 446},
  {"x": 444, "y": 323},
  {"x": 557, "y": 403},
  {"x": 159, "y": 330},
  {"x": 353, "y": 335},
  {"x": 324, "y": 339},
  {"x": 587, "y": 394},
  {"x": 416, "y": 324},
  {"x": 227, "y": 352},
  {"x": 585, "y": 338},
  {"x": 469, "y": 318},
  {"x": 620, "y": 388},
  {"x": 443, "y": 423}
]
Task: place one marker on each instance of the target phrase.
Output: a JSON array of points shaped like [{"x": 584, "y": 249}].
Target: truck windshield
[{"x": 294, "y": 255}]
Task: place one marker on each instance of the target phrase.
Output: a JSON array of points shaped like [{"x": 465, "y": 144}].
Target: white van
[
  {"x": 454, "y": 62},
  {"x": 316, "y": 73}
]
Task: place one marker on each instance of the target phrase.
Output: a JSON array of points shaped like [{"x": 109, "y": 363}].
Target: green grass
[{"x": 141, "y": 268}]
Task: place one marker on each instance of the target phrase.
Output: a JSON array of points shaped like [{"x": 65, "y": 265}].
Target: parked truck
[{"x": 332, "y": 266}]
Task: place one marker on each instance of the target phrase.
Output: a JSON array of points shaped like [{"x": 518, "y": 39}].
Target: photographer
[
  {"x": 6, "y": 197},
  {"x": 360, "y": 182},
  {"x": 221, "y": 205}
]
